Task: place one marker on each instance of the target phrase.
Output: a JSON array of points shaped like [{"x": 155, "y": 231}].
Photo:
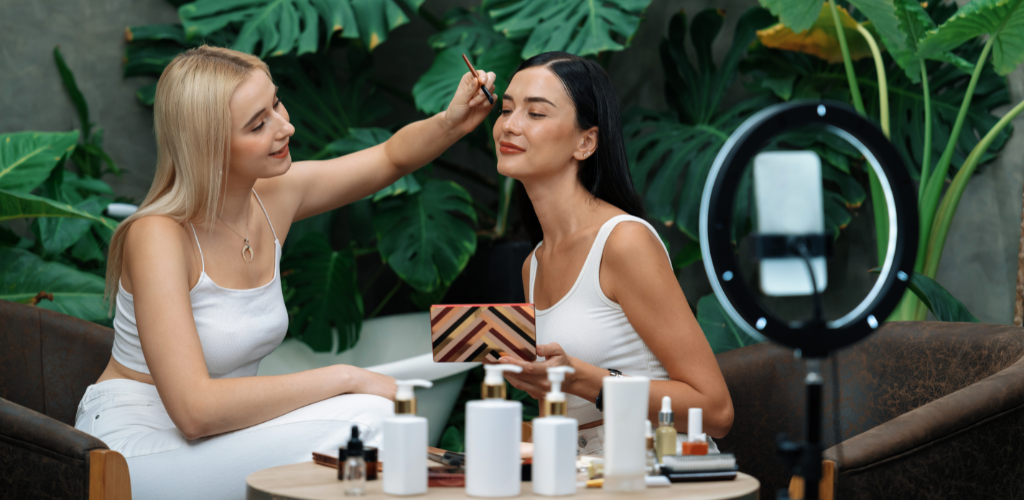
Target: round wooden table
[{"x": 308, "y": 481}]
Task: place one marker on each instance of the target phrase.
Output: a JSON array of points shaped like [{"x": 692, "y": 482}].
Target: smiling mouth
[
  {"x": 280, "y": 153},
  {"x": 509, "y": 148}
]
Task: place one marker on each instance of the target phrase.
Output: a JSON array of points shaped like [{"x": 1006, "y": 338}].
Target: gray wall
[{"x": 979, "y": 265}]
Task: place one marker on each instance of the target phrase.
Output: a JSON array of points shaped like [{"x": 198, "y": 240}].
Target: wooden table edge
[{"x": 257, "y": 488}]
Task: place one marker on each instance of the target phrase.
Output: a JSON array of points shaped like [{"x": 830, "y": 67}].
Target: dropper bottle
[
  {"x": 554, "y": 441},
  {"x": 405, "y": 443},
  {"x": 353, "y": 469},
  {"x": 665, "y": 436},
  {"x": 493, "y": 434}
]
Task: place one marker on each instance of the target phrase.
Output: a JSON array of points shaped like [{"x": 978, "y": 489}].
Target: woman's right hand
[{"x": 364, "y": 381}]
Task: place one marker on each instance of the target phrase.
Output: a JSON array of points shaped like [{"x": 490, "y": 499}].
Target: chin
[{"x": 510, "y": 167}]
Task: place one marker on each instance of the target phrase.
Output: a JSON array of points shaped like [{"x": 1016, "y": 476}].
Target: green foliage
[
  {"x": 323, "y": 108},
  {"x": 435, "y": 89},
  {"x": 670, "y": 156},
  {"x": 721, "y": 332},
  {"x": 26, "y": 158},
  {"x": 23, "y": 276},
  {"x": 425, "y": 237},
  {"x": 1003, "y": 20},
  {"x": 799, "y": 15},
  {"x": 582, "y": 27},
  {"x": 944, "y": 306},
  {"x": 325, "y": 293},
  {"x": 280, "y": 26}
]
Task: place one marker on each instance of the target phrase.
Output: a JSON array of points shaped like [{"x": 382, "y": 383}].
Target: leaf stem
[
  {"x": 504, "y": 201},
  {"x": 847, "y": 62},
  {"x": 937, "y": 178},
  {"x": 883, "y": 90},
  {"x": 927, "y": 155},
  {"x": 946, "y": 211},
  {"x": 385, "y": 300}
]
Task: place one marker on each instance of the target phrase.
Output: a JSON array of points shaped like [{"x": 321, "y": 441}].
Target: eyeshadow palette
[{"x": 465, "y": 333}]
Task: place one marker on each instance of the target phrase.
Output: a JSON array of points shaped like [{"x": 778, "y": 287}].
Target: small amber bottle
[{"x": 696, "y": 441}]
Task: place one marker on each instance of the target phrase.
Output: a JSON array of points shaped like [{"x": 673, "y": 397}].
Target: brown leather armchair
[
  {"x": 926, "y": 410},
  {"x": 47, "y": 360}
]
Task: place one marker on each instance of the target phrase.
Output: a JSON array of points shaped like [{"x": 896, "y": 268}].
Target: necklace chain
[{"x": 245, "y": 247}]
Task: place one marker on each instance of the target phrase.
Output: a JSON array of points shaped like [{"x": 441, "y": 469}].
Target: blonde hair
[{"x": 192, "y": 118}]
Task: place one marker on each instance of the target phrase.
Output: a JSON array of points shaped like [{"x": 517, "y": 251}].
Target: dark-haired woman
[{"x": 607, "y": 299}]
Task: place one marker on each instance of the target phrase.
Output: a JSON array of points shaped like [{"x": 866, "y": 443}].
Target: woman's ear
[{"x": 587, "y": 145}]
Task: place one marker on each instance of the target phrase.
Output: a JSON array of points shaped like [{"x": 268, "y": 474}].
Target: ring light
[{"x": 716, "y": 218}]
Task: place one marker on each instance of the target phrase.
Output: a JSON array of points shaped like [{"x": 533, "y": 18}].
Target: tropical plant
[
  {"x": 993, "y": 23},
  {"x": 62, "y": 266},
  {"x": 424, "y": 230}
]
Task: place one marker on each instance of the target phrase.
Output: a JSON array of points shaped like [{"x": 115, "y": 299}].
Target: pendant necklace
[{"x": 245, "y": 247}]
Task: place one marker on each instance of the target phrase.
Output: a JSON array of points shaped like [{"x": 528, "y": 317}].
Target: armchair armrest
[
  {"x": 962, "y": 444},
  {"x": 44, "y": 458}
]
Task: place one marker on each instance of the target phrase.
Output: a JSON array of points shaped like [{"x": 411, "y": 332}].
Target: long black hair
[{"x": 605, "y": 174}]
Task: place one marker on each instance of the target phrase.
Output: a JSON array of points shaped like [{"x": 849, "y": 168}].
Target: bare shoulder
[
  {"x": 156, "y": 239},
  {"x": 632, "y": 242}
]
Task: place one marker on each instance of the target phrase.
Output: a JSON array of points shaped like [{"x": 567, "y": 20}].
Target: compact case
[{"x": 463, "y": 333}]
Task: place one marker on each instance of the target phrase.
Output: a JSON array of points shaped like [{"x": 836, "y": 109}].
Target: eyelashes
[{"x": 276, "y": 102}]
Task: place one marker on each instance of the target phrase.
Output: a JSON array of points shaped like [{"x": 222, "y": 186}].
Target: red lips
[
  {"x": 281, "y": 153},
  {"x": 509, "y": 149}
]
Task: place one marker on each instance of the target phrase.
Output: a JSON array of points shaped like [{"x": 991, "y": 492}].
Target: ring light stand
[{"x": 814, "y": 338}]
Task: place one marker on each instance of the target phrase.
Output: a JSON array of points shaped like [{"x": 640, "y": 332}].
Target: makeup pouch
[{"x": 464, "y": 333}]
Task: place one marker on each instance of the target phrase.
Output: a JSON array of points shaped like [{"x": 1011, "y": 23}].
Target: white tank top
[
  {"x": 592, "y": 328},
  {"x": 237, "y": 328}
]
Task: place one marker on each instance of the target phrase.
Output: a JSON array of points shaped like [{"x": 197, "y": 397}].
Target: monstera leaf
[
  {"x": 1001, "y": 19},
  {"x": 670, "y": 156},
  {"x": 581, "y": 27},
  {"x": 325, "y": 294},
  {"x": 465, "y": 27},
  {"x": 425, "y": 237},
  {"x": 25, "y": 278},
  {"x": 150, "y": 48},
  {"x": 722, "y": 333},
  {"x": 323, "y": 108},
  {"x": 435, "y": 89},
  {"x": 280, "y": 26}
]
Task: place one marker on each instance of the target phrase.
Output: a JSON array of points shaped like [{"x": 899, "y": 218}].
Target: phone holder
[{"x": 814, "y": 338}]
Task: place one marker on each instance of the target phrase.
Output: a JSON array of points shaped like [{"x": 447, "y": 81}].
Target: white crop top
[
  {"x": 237, "y": 328},
  {"x": 592, "y": 328}
]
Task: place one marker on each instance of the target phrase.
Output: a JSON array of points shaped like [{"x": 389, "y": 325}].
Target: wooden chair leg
[
  {"x": 108, "y": 476},
  {"x": 826, "y": 487}
]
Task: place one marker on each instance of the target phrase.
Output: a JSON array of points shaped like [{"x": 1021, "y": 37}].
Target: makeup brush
[{"x": 490, "y": 98}]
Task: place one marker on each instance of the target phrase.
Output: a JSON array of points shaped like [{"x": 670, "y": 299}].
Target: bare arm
[
  {"x": 636, "y": 274},
  {"x": 319, "y": 186},
  {"x": 198, "y": 405}
]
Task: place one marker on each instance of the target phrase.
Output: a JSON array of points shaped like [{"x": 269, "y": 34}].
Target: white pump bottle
[
  {"x": 554, "y": 441},
  {"x": 405, "y": 444},
  {"x": 493, "y": 433}
]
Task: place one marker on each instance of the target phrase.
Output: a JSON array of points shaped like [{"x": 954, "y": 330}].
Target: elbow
[
  {"x": 719, "y": 423},
  {"x": 189, "y": 420}
]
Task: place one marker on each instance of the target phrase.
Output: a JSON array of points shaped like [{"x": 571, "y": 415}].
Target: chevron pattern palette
[{"x": 463, "y": 333}]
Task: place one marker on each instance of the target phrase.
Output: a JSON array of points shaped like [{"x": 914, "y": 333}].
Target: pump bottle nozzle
[
  {"x": 405, "y": 399},
  {"x": 554, "y": 401},
  {"x": 494, "y": 382}
]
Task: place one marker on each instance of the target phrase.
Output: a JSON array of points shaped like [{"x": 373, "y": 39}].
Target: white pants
[{"x": 130, "y": 418}]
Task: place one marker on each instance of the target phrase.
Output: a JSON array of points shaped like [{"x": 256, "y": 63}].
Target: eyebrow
[
  {"x": 529, "y": 99},
  {"x": 260, "y": 112}
]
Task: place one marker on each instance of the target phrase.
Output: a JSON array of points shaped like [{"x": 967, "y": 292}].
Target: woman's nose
[{"x": 511, "y": 125}]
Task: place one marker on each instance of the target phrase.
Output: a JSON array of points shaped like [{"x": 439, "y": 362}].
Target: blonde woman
[{"x": 196, "y": 279}]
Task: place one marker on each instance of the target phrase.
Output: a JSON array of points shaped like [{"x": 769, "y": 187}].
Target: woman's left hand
[
  {"x": 469, "y": 107},
  {"x": 534, "y": 377}
]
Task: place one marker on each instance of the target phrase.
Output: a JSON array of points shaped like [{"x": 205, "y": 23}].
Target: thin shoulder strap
[
  {"x": 266, "y": 214},
  {"x": 201, "y": 259},
  {"x": 606, "y": 231},
  {"x": 533, "y": 269}
]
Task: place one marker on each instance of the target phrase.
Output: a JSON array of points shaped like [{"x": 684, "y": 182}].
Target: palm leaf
[
  {"x": 27, "y": 158},
  {"x": 24, "y": 275}
]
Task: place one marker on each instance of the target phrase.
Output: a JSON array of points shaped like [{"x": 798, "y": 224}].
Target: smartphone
[
  {"x": 478, "y": 332},
  {"x": 789, "y": 199}
]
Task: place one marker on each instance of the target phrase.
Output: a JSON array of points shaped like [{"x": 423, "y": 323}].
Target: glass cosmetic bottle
[{"x": 353, "y": 471}]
